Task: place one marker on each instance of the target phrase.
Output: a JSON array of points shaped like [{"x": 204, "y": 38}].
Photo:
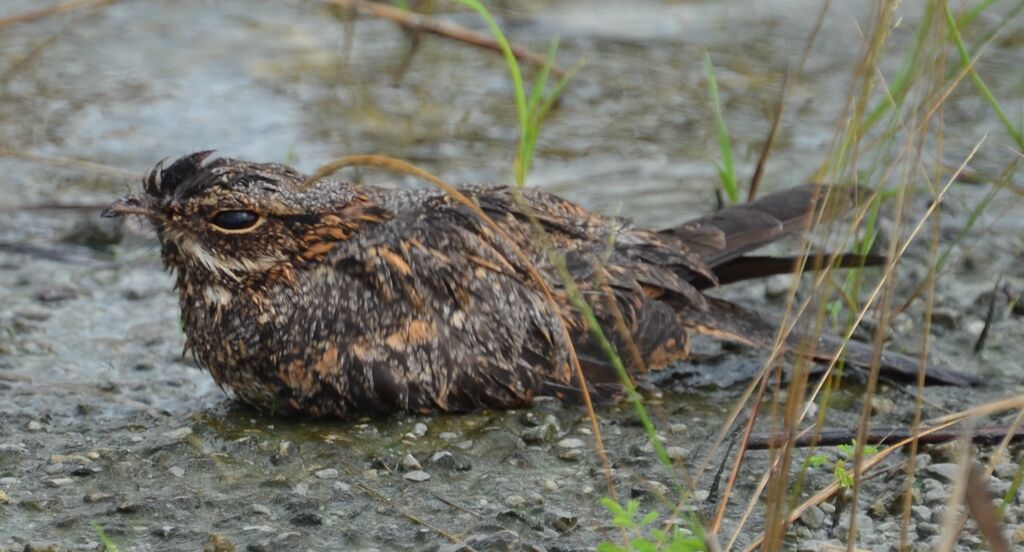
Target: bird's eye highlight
[{"x": 235, "y": 221}]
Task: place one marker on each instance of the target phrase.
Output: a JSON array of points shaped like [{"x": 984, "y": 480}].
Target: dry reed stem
[
  {"x": 397, "y": 165},
  {"x": 55, "y": 9},
  {"x": 88, "y": 166},
  {"x": 425, "y": 24}
]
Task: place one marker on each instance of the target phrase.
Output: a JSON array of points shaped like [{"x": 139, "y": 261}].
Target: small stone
[
  {"x": 176, "y": 471},
  {"x": 4, "y": 499},
  {"x": 93, "y": 498},
  {"x": 560, "y": 520},
  {"x": 1017, "y": 537},
  {"x": 61, "y": 481},
  {"x": 925, "y": 530},
  {"x": 448, "y": 461},
  {"x": 410, "y": 463},
  {"x": 570, "y": 443},
  {"x": 649, "y": 488},
  {"x": 448, "y": 436},
  {"x": 419, "y": 430},
  {"x": 944, "y": 472},
  {"x": 301, "y": 489},
  {"x": 677, "y": 429},
  {"x": 813, "y": 517},
  {"x": 260, "y": 509},
  {"x": 921, "y": 513},
  {"x": 946, "y": 317},
  {"x": 178, "y": 434},
  {"x": 550, "y": 485},
  {"x": 541, "y": 434},
  {"x": 881, "y": 406},
  {"x": 341, "y": 486},
  {"x": 34, "y": 426},
  {"x": 370, "y": 474},
  {"x": 326, "y": 473},
  {"x": 1006, "y": 470},
  {"x": 9, "y": 481},
  {"x": 218, "y": 543},
  {"x": 777, "y": 286},
  {"x": 677, "y": 453},
  {"x": 307, "y": 519},
  {"x": 570, "y": 455},
  {"x": 500, "y": 540},
  {"x": 514, "y": 501},
  {"x": 418, "y": 476}
]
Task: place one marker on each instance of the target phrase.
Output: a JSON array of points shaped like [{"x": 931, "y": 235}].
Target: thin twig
[
  {"x": 56, "y": 9},
  {"x": 425, "y": 24},
  {"x": 88, "y": 166},
  {"x": 412, "y": 517},
  {"x": 880, "y": 436}
]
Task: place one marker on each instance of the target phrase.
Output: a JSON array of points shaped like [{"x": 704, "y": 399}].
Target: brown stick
[
  {"x": 56, "y": 9},
  {"x": 426, "y": 24},
  {"x": 981, "y": 436}
]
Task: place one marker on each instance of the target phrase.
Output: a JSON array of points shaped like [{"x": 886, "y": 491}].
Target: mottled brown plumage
[{"x": 344, "y": 299}]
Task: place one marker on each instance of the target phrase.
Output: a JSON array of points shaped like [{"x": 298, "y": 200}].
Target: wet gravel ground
[{"x": 106, "y": 429}]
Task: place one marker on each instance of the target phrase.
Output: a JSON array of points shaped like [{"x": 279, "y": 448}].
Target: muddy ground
[{"x": 103, "y": 424}]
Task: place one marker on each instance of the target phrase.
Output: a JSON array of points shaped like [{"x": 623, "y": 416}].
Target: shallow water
[{"x": 149, "y": 449}]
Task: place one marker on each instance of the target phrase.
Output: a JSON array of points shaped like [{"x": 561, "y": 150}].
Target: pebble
[
  {"x": 301, "y": 489},
  {"x": 882, "y": 406},
  {"x": 370, "y": 474},
  {"x": 218, "y": 543},
  {"x": 921, "y": 513},
  {"x": 944, "y": 472},
  {"x": 540, "y": 434},
  {"x": 342, "y": 486},
  {"x": 410, "y": 463},
  {"x": 447, "y": 461},
  {"x": 9, "y": 481},
  {"x": 34, "y": 426},
  {"x": 326, "y": 473},
  {"x": 260, "y": 509},
  {"x": 1006, "y": 470},
  {"x": 813, "y": 517},
  {"x": 61, "y": 481},
  {"x": 550, "y": 485},
  {"x": 1017, "y": 537},
  {"x": 448, "y": 436},
  {"x": 420, "y": 429},
  {"x": 570, "y": 443},
  {"x": 417, "y": 475},
  {"x": 500, "y": 540},
  {"x": 777, "y": 286},
  {"x": 514, "y": 501},
  {"x": 176, "y": 471},
  {"x": 677, "y": 453},
  {"x": 4, "y": 499},
  {"x": 178, "y": 434},
  {"x": 677, "y": 428},
  {"x": 570, "y": 455},
  {"x": 560, "y": 520}
]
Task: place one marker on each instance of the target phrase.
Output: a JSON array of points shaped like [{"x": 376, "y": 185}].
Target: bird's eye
[{"x": 235, "y": 221}]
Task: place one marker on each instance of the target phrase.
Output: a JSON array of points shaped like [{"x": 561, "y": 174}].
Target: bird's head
[{"x": 236, "y": 222}]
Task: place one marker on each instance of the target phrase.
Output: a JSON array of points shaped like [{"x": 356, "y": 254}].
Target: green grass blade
[
  {"x": 726, "y": 173},
  {"x": 979, "y": 84}
]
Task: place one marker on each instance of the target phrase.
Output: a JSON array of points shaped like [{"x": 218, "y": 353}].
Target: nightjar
[{"x": 339, "y": 299}]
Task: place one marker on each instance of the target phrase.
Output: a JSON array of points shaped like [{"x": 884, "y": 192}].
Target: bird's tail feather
[{"x": 732, "y": 322}]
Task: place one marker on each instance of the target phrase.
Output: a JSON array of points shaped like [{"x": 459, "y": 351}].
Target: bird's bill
[{"x": 126, "y": 206}]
